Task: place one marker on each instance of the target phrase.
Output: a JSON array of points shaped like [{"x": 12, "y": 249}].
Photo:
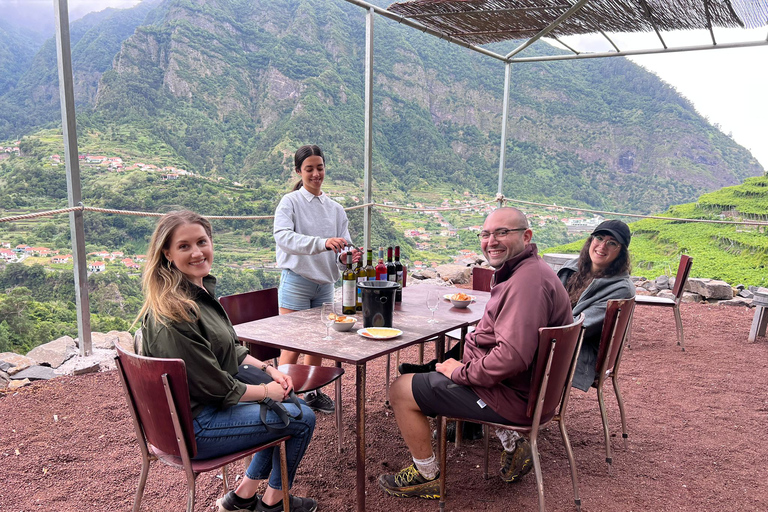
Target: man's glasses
[
  {"x": 499, "y": 234},
  {"x": 611, "y": 244}
]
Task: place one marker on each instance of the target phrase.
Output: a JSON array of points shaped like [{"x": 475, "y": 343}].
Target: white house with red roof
[
  {"x": 128, "y": 262},
  {"x": 7, "y": 254},
  {"x": 61, "y": 258},
  {"x": 97, "y": 266}
]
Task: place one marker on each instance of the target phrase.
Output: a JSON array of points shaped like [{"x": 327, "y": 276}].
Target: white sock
[
  {"x": 507, "y": 438},
  {"x": 427, "y": 467}
]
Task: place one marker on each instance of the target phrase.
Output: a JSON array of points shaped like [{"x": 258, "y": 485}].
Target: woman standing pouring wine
[{"x": 311, "y": 231}]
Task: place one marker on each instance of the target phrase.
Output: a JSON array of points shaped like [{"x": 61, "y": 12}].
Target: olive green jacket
[{"x": 208, "y": 346}]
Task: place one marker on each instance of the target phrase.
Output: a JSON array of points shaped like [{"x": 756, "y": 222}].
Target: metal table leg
[{"x": 360, "y": 481}]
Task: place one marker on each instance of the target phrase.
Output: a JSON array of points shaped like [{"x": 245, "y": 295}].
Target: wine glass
[
  {"x": 328, "y": 316},
  {"x": 433, "y": 300}
]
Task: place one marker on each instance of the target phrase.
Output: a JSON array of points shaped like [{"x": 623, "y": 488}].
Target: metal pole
[
  {"x": 368, "y": 135},
  {"x": 504, "y": 119},
  {"x": 74, "y": 196}
]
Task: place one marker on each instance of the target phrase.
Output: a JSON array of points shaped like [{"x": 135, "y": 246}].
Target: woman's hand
[
  {"x": 276, "y": 392},
  {"x": 336, "y": 244},
  {"x": 356, "y": 256},
  {"x": 285, "y": 381}
]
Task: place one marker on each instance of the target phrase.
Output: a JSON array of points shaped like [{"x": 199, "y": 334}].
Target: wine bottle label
[
  {"x": 392, "y": 277},
  {"x": 348, "y": 294},
  {"x": 400, "y": 278}
]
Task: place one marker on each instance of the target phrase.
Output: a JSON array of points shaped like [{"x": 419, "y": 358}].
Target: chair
[
  {"x": 554, "y": 367},
  {"x": 618, "y": 314},
  {"x": 682, "y": 276},
  {"x": 164, "y": 426},
  {"x": 250, "y": 306}
]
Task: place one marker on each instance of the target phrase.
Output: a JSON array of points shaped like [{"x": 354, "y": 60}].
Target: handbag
[{"x": 250, "y": 374}]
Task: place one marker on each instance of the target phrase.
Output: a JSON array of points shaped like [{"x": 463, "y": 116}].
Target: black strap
[{"x": 281, "y": 411}]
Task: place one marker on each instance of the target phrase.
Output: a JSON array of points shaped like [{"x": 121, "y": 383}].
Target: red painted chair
[
  {"x": 158, "y": 398},
  {"x": 682, "y": 276},
  {"x": 618, "y": 315},
  {"x": 555, "y": 365},
  {"x": 250, "y": 306}
]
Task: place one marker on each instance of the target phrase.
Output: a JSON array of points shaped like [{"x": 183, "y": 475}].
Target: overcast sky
[{"x": 726, "y": 86}]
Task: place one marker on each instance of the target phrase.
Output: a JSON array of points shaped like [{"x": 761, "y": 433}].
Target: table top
[{"x": 303, "y": 331}]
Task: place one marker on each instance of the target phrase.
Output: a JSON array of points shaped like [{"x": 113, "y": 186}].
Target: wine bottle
[
  {"x": 391, "y": 272},
  {"x": 370, "y": 270},
  {"x": 348, "y": 285},
  {"x": 399, "y": 269},
  {"x": 360, "y": 276},
  {"x": 381, "y": 268}
]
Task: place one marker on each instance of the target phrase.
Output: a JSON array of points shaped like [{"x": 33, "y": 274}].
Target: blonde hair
[{"x": 166, "y": 295}]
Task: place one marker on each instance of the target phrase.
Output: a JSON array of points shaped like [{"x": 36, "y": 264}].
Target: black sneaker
[
  {"x": 320, "y": 402},
  {"x": 517, "y": 463},
  {"x": 231, "y": 502},
  {"x": 404, "y": 368},
  {"x": 297, "y": 505},
  {"x": 409, "y": 483}
]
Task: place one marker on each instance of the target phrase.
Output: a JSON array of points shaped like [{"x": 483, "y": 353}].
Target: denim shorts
[{"x": 298, "y": 293}]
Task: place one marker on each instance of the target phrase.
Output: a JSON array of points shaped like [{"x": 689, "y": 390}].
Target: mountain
[
  {"x": 33, "y": 100},
  {"x": 233, "y": 87},
  {"x": 17, "y": 49}
]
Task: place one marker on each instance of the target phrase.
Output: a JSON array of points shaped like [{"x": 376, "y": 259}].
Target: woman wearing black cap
[{"x": 600, "y": 273}]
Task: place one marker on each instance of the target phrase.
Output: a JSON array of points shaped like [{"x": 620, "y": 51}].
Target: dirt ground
[{"x": 696, "y": 419}]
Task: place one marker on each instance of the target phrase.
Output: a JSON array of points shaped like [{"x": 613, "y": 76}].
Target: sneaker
[
  {"x": 517, "y": 463},
  {"x": 297, "y": 505},
  {"x": 404, "y": 368},
  {"x": 231, "y": 502},
  {"x": 409, "y": 483},
  {"x": 320, "y": 402}
]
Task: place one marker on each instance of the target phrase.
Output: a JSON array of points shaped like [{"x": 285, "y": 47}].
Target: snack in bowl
[
  {"x": 461, "y": 300},
  {"x": 343, "y": 323}
]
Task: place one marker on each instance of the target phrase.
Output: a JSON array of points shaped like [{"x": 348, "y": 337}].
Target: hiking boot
[
  {"x": 320, "y": 402},
  {"x": 404, "y": 368},
  {"x": 517, "y": 463},
  {"x": 409, "y": 483},
  {"x": 231, "y": 502},
  {"x": 297, "y": 505}
]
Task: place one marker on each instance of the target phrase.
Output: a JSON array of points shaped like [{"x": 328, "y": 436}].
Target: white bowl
[
  {"x": 344, "y": 326},
  {"x": 461, "y": 304}
]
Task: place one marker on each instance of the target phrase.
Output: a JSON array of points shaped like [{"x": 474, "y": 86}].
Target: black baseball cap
[{"x": 617, "y": 229}]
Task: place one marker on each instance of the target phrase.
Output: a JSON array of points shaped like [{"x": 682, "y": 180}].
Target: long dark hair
[
  {"x": 302, "y": 154},
  {"x": 579, "y": 281}
]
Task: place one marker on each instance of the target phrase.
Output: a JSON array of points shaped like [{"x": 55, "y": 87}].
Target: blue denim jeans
[{"x": 223, "y": 431}]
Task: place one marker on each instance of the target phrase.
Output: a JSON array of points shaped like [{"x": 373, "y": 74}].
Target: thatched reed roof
[{"x": 487, "y": 21}]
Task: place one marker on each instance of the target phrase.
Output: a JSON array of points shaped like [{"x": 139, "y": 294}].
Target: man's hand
[{"x": 447, "y": 367}]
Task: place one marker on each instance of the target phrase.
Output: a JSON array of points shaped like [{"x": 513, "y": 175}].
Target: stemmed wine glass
[
  {"x": 328, "y": 316},
  {"x": 433, "y": 299}
]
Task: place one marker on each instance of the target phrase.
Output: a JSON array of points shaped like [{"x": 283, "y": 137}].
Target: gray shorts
[{"x": 437, "y": 395}]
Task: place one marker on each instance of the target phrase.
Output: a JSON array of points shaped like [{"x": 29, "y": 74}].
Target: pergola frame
[{"x": 66, "y": 84}]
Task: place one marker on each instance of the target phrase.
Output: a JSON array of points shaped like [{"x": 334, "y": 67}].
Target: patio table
[{"x": 302, "y": 331}]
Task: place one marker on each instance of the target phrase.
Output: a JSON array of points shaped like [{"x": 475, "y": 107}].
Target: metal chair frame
[
  {"x": 546, "y": 398},
  {"x": 164, "y": 427},
  {"x": 680, "y": 279}
]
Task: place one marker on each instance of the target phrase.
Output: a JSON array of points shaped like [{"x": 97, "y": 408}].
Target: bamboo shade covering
[{"x": 486, "y": 21}]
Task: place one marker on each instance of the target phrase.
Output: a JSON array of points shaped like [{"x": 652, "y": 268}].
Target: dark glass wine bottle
[
  {"x": 399, "y": 269},
  {"x": 391, "y": 272},
  {"x": 381, "y": 268},
  {"x": 359, "y": 276},
  {"x": 348, "y": 285},
  {"x": 370, "y": 270}
]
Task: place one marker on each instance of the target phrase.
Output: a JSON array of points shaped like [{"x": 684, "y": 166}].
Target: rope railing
[{"x": 499, "y": 198}]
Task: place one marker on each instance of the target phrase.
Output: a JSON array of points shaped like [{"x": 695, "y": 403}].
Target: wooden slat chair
[
  {"x": 554, "y": 367},
  {"x": 250, "y": 306},
  {"x": 681, "y": 278},
  {"x": 158, "y": 398},
  {"x": 618, "y": 314}
]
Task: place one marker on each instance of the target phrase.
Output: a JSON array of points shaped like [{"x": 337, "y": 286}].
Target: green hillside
[
  {"x": 734, "y": 253},
  {"x": 230, "y": 88}
]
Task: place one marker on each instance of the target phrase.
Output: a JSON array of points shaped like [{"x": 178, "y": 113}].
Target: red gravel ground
[{"x": 697, "y": 438}]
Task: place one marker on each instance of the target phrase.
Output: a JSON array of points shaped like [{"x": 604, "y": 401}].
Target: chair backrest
[
  {"x": 682, "y": 275},
  {"x": 618, "y": 312},
  {"x": 250, "y": 306},
  {"x": 560, "y": 346},
  {"x": 481, "y": 279},
  {"x": 142, "y": 379}
]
